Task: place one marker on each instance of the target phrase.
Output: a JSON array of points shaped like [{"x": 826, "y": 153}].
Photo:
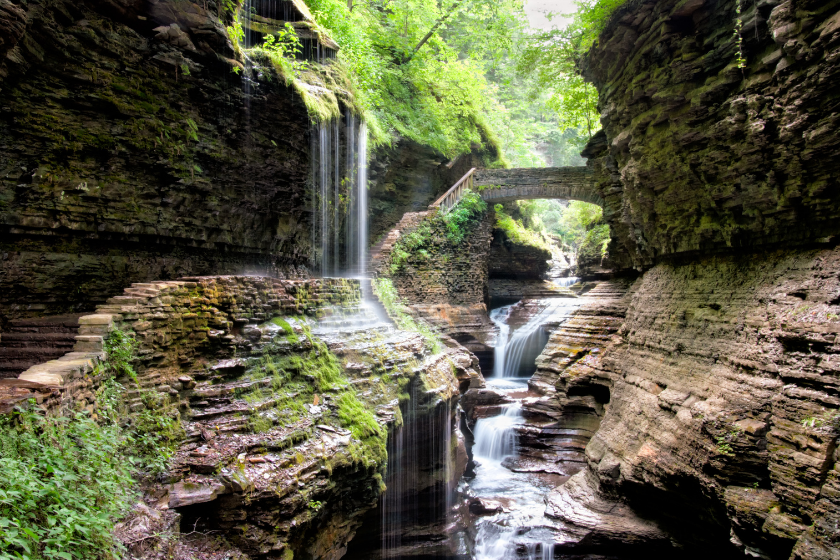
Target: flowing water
[
  {"x": 339, "y": 178},
  {"x": 520, "y": 529},
  {"x": 566, "y": 282},
  {"x": 516, "y": 351}
]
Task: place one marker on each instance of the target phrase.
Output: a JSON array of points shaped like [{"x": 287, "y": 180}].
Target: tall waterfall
[
  {"x": 420, "y": 489},
  {"x": 339, "y": 197}
]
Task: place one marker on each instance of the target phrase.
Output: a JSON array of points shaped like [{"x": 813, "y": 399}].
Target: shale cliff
[
  {"x": 716, "y": 137},
  {"x": 131, "y": 154},
  {"x": 717, "y": 394}
]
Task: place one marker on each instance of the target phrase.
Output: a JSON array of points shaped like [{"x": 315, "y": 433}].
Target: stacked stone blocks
[{"x": 174, "y": 323}]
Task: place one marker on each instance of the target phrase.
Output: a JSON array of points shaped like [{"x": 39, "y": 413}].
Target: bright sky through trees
[{"x": 538, "y": 10}]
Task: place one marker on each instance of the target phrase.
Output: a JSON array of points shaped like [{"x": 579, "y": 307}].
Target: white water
[
  {"x": 521, "y": 530},
  {"x": 521, "y": 494},
  {"x": 566, "y": 282},
  {"x": 515, "y": 352},
  {"x": 339, "y": 200},
  {"x": 495, "y": 437}
]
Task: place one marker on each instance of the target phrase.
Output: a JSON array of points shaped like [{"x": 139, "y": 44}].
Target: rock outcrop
[
  {"x": 722, "y": 402},
  {"x": 130, "y": 154},
  {"x": 715, "y": 137},
  {"x": 287, "y": 392},
  {"x": 718, "y": 171},
  {"x": 516, "y": 261}
]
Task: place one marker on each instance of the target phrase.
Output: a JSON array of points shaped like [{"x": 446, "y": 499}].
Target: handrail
[{"x": 451, "y": 197}]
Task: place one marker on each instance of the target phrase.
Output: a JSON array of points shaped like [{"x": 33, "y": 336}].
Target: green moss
[
  {"x": 302, "y": 378},
  {"x": 517, "y": 232},
  {"x": 291, "y": 335},
  {"x": 384, "y": 289}
]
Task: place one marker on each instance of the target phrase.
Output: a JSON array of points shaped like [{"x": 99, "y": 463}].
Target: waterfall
[
  {"x": 566, "y": 282},
  {"x": 515, "y": 353},
  {"x": 339, "y": 197},
  {"x": 420, "y": 492},
  {"x": 495, "y": 438}
]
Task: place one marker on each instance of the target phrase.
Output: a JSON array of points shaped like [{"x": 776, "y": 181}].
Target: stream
[{"x": 519, "y": 528}]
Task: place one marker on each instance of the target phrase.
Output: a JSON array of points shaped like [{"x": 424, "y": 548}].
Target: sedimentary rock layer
[
  {"x": 715, "y": 136},
  {"x": 723, "y": 403},
  {"x": 127, "y": 154}
]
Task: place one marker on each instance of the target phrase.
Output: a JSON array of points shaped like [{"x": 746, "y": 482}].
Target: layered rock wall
[
  {"x": 701, "y": 152},
  {"x": 174, "y": 325},
  {"x": 129, "y": 154},
  {"x": 723, "y": 403}
]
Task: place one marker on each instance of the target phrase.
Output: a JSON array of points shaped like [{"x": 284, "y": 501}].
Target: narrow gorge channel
[{"x": 419, "y": 280}]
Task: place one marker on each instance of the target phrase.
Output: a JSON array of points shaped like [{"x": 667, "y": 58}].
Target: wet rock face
[
  {"x": 130, "y": 154},
  {"x": 699, "y": 154},
  {"x": 723, "y": 404},
  {"x": 515, "y": 261}
]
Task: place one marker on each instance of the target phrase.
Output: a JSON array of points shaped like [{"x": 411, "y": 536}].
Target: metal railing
[{"x": 451, "y": 197}]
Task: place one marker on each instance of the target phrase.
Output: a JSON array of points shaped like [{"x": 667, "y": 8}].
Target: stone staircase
[
  {"x": 33, "y": 341},
  {"x": 381, "y": 252}
]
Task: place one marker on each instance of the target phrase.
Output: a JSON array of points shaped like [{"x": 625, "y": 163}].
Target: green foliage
[
  {"x": 64, "y": 481},
  {"x": 119, "y": 348},
  {"x": 282, "y": 48},
  {"x": 434, "y": 92},
  {"x": 593, "y": 246},
  {"x": 63, "y": 484},
  {"x": 153, "y": 434},
  {"x": 235, "y": 31},
  {"x": 828, "y": 420},
  {"x": 384, "y": 289},
  {"x": 554, "y": 56},
  {"x": 517, "y": 232},
  {"x": 464, "y": 216},
  {"x": 740, "y": 61},
  {"x": 457, "y": 223},
  {"x": 724, "y": 442},
  {"x": 409, "y": 244}
]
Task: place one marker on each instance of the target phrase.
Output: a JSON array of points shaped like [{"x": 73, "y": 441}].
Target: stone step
[
  {"x": 41, "y": 353},
  {"x": 68, "y": 321}
]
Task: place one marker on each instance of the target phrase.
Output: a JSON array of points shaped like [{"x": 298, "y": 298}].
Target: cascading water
[
  {"x": 566, "y": 282},
  {"x": 339, "y": 201},
  {"x": 520, "y": 530},
  {"x": 495, "y": 437},
  {"x": 415, "y": 508},
  {"x": 515, "y": 353}
]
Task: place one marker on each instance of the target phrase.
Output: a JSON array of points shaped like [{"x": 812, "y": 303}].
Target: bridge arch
[{"x": 568, "y": 183}]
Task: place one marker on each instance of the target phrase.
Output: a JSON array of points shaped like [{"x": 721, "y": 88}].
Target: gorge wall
[
  {"x": 700, "y": 153},
  {"x": 284, "y": 411},
  {"x": 127, "y": 154},
  {"x": 720, "y": 426},
  {"x": 133, "y": 151}
]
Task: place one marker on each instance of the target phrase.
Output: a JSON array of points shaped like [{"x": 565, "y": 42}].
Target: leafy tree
[
  {"x": 554, "y": 56},
  {"x": 415, "y": 76}
]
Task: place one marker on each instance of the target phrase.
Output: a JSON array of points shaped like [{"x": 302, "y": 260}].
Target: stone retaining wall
[{"x": 175, "y": 323}]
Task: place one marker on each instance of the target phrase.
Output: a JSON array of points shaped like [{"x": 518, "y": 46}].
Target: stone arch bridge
[{"x": 568, "y": 183}]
